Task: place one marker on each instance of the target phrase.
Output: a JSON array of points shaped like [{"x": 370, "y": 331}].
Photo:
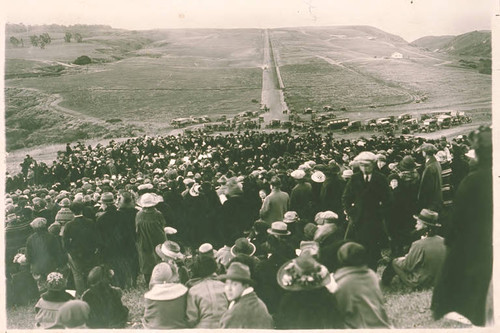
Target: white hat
[
  {"x": 188, "y": 181},
  {"x": 195, "y": 190},
  {"x": 298, "y": 174},
  {"x": 147, "y": 186},
  {"x": 347, "y": 173},
  {"x": 318, "y": 177},
  {"x": 148, "y": 200},
  {"x": 206, "y": 248},
  {"x": 170, "y": 230},
  {"x": 367, "y": 156}
]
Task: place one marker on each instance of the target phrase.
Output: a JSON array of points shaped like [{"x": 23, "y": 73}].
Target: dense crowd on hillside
[{"x": 251, "y": 230}]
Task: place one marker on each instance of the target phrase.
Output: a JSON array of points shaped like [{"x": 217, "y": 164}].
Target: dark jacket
[
  {"x": 81, "y": 238},
  {"x": 429, "y": 193},
  {"x": 44, "y": 252},
  {"x": 300, "y": 200},
  {"x": 310, "y": 309},
  {"x": 106, "y": 308},
  {"x": 359, "y": 298},
  {"x": 149, "y": 225},
  {"x": 467, "y": 271},
  {"x": 116, "y": 237},
  {"x": 367, "y": 205},
  {"x": 247, "y": 312},
  {"x": 235, "y": 219}
]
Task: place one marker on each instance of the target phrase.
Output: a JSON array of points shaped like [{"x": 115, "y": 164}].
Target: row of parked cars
[{"x": 407, "y": 123}]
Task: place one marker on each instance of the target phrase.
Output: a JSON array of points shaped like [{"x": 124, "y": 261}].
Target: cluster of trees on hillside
[
  {"x": 44, "y": 39},
  {"x": 68, "y": 36}
]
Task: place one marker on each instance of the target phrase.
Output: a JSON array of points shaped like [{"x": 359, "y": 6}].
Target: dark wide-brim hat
[
  {"x": 303, "y": 273},
  {"x": 428, "y": 217},
  {"x": 238, "y": 272},
  {"x": 243, "y": 246},
  {"x": 407, "y": 164}
]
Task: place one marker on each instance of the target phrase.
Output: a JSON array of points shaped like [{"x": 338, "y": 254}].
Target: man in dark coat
[
  {"x": 301, "y": 196},
  {"x": 82, "y": 241},
  {"x": 366, "y": 199},
  {"x": 466, "y": 274},
  {"x": 331, "y": 192},
  {"x": 116, "y": 239},
  {"x": 429, "y": 192}
]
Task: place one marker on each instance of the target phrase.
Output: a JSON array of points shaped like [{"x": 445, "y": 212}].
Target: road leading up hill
[{"x": 272, "y": 95}]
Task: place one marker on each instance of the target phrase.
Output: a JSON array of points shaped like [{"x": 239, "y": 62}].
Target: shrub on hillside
[{"x": 82, "y": 60}]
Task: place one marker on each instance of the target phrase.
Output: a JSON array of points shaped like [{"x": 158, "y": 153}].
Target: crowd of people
[{"x": 251, "y": 230}]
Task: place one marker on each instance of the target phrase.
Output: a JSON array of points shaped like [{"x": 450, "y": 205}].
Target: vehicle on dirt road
[
  {"x": 352, "y": 126},
  {"x": 337, "y": 123}
]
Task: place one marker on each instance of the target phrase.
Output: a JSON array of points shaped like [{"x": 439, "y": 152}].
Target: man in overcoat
[
  {"x": 366, "y": 200},
  {"x": 429, "y": 192}
]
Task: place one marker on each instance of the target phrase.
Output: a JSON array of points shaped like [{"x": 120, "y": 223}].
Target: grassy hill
[
  {"x": 147, "y": 78},
  {"x": 472, "y": 44},
  {"x": 352, "y": 67}
]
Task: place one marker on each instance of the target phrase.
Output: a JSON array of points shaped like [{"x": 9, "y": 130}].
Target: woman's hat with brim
[
  {"x": 298, "y": 174},
  {"x": 107, "y": 197},
  {"x": 148, "y": 200},
  {"x": 279, "y": 229},
  {"x": 243, "y": 246},
  {"x": 407, "y": 164},
  {"x": 428, "y": 148},
  {"x": 169, "y": 250},
  {"x": 303, "y": 273},
  {"x": 207, "y": 249},
  {"x": 194, "y": 191},
  {"x": 318, "y": 177},
  {"x": 428, "y": 217},
  {"x": 291, "y": 217},
  {"x": 238, "y": 272}
]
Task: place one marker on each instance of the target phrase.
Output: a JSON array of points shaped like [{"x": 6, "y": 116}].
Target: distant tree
[
  {"x": 78, "y": 37},
  {"x": 14, "y": 41},
  {"x": 67, "y": 37},
  {"x": 34, "y": 40},
  {"x": 82, "y": 60},
  {"x": 22, "y": 42},
  {"x": 45, "y": 37}
]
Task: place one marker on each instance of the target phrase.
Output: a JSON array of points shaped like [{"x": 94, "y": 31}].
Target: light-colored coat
[
  {"x": 275, "y": 206},
  {"x": 206, "y": 303}
]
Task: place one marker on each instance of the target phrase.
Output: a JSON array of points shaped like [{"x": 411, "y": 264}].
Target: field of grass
[
  {"x": 352, "y": 66},
  {"x": 144, "y": 78},
  {"x": 405, "y": 308}
]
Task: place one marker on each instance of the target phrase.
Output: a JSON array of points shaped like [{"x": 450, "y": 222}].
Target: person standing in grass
[{"x": 465, "y": 283}]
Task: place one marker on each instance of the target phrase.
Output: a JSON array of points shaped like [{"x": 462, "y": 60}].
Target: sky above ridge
[{"x": 406, "y": 18}]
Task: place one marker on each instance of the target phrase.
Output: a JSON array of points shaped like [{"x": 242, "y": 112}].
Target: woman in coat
[
  {"x": 165, "y": 302},
  {"x": 465, "y": 279},
  {"x": 43, "y": 251},
  {"x": 49, "y": 303},
  {"x": 307, "y": 303},
  {"x": 149, "y": 226},
  {"x": 206, "y": 300},
  {"x": 104, "y": 300}
]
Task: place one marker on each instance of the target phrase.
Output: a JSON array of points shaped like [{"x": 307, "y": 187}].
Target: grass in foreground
[{"x": 405, "y": 308}]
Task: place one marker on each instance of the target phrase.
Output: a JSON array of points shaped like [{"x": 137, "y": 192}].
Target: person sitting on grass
[
  {"x": 420, "y": 267},
  {"x": 245, "y": 310},
  {"x": 73, "y": 314},
  {"x": 358, "y": 295},
  {"x": 50, "y": 301},
  {"x": 106, "y": 307},
  {"x": 165, "y": 302},
  {"x": 206, "y": 300}
]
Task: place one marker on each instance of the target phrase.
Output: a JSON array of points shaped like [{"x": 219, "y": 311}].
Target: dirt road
[{"x": 272, "y": 95}]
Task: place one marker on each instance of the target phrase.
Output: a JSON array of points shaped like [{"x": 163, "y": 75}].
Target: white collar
[{"x": 245, "y": 292}]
